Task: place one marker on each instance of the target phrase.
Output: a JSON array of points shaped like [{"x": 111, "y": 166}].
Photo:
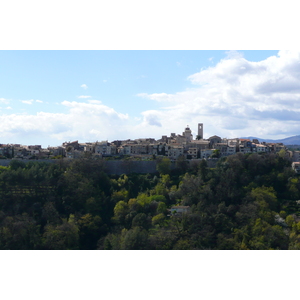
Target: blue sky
[
  {"x": 114, "y": 77},
  {"x": 48, "y": 97}
]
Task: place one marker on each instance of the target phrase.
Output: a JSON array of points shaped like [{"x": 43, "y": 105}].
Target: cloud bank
[{"x": 84, "y": 121}]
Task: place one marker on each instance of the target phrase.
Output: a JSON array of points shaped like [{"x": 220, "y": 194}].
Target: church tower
[
  {"x": 200, "y": 130},
  {"x": 188, "y": 134}
]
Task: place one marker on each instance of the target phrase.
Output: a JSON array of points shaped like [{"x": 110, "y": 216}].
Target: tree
[
  {"x": 265, "y": 197},
  {"x": 182, "y": 164},
  {"x": 141, "y": 220},
  {"x": 164, "y": 166},
  {"x": 90, "y": 231},
  {"x": 120, "y": 211},
  {"x": 135, "y": 239},
  {"x": 159, "y": 219},
  {"x": 203, "y": 169},
  {"x": 216, "y": 153},
  {"x": 162, "y": 208},
  {"x": 62, "y": 237},
  {"x": 16, "y": 164},
  {"x": 282, "y": 153}
]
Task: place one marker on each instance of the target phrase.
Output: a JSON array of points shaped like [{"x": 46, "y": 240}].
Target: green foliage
[
  {"x": 181, "y": 164},
  {"x": 141, "y": 220},
  {"x": 216, "y": 154},
  {"x": 3, "y": 168},
  {"x": 120, "y": 211},
  {"x": 245, "y": 202},
  {"x": 159, "y": 219},
  {"x": 158, "y": 198},
  {"x": 143, "y": 199},
  {"x": 135, "y": 239},
  {"x": 162, "y": 208},
  {"x": 16, "y": 164},
  {"x": 62, "y": 237},
  {"x": 164, "y": 166},
  {"x": 265, "y": 196}
]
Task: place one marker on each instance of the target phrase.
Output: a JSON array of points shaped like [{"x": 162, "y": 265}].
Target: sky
[{"x": 49, "y": 97}]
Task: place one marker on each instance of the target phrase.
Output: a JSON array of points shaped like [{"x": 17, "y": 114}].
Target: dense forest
[{"x": 245, "y": 202}]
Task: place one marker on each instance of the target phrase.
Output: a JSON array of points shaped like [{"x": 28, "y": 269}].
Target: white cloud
[
  {"x": 3, "y": 100},
  {"x": 238, "y": 98},
  {"x": 8, "y": 107},
  {"x": 31, "y": 101},
  {"x": 83, "y": 121},
  {"x": 84, "y": 86},
  {"x": 94, "y": 101},
  {"x": 27, "y": 101},
  {"x": 160, "y": 97},
  {"x": 83, "y": 97}
]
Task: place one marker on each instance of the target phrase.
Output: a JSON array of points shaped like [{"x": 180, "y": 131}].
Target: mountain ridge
[{"x": 293, "y": 140}]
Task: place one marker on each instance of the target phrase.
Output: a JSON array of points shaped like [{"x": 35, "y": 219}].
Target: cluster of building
[{"x": 173, "y": 147}]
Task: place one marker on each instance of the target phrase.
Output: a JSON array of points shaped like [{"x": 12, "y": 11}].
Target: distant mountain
[{"x": 293, "y": 140}]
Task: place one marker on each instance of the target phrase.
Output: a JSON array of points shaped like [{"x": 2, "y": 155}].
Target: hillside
[{"x": 244, "y": 202}]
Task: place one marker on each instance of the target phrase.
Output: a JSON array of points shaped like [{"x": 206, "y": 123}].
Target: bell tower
[{"x": 200, "y": 130}]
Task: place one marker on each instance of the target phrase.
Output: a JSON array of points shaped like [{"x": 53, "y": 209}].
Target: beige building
[
  {"x": 231, "y": 150},
  {"x": 201, "y": 144},
  {"x": 139, "y": 149},
  {"x": 174, "y": 151},
  {"x": 193, "y": 152},
  {"x": 222, "y": 147},
  {"x": 125, "y": 149},
  {"x": 105, "y": 148},
  {"x": 244, "y": 149},
  {"x": 261, "y": 148},
  {"x": 188, "y": 134},
  {"x": 296, "y": 156},
  {"x": 214, "y": 140}
]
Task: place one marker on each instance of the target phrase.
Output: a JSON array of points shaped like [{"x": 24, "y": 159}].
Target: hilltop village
[{"x": 173, "y": 147}]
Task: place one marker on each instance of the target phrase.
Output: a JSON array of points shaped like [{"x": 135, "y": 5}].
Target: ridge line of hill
[{"x": 293, "y": 140}]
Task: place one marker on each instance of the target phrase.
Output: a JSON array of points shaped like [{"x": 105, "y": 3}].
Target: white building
[
  {"x": 296, "y": 167},
  {"x": 180, "y": 209}
]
